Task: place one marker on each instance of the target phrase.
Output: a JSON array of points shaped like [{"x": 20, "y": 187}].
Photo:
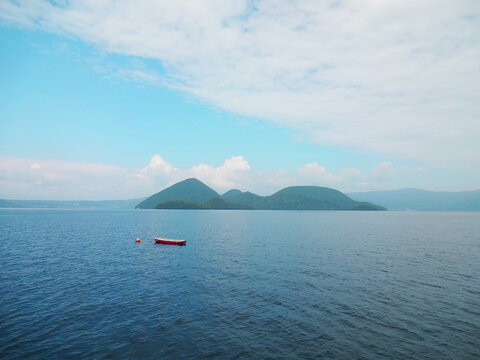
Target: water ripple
[{"x": 263, "y": 284}]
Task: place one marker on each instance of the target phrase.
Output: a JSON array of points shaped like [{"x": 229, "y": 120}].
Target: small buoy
[{"x": 138, "y": 240}]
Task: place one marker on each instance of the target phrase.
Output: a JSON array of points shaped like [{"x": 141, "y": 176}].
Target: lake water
[{"x": 248, "y": 285}]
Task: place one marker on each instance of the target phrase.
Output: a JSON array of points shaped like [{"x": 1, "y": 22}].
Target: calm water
[{"x": 249, "y": 284}]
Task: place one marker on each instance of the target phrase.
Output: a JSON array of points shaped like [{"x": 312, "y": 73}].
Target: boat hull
[{"x": 170, "y": 241}]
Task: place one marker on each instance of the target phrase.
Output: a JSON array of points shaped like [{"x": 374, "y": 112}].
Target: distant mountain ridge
[
  {"x": 193, "y": 194},
  {"x": 424, "y": 200},
  {"x": 295, "y": 197},
  {"x": 69, "y": 204}
]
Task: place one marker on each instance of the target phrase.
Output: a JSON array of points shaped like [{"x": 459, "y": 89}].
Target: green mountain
[
  {"x": 193, "y": 194},
  {"x": 300, "y": 198},
  {"x": 244, "y": 198},
  {"x": 182, "y": 205},
  {"x": 212, "y": 204},
  {"x": 191, "y": 190},
  {"x": 415, "y": 199},
  {"x": 219, "y": 203},
  {"x": 231, "y": 194}
]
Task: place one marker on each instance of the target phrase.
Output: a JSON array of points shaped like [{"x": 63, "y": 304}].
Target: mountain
[
  {"x": 193, "y": 194},
  {"x": 231, "y": 194},
  {"x": 299, "y": 198},
  {"x": 70, "y": 204},
  {"x": 244, "y": 198},
  {"x": 212, "y": 204},
  {"x": 219, "y": 203},
  {"x": 187, "y": 190},
  {"x": 415, "y": 199}
]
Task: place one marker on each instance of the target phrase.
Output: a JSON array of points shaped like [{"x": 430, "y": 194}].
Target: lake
[{"x": 248, "y": 285}]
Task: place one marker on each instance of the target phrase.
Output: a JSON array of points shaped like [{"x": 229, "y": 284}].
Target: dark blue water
[{"x": 248, "y": 285}]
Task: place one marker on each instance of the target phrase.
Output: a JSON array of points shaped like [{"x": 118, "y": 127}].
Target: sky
[{"x": 103, "y": 99}]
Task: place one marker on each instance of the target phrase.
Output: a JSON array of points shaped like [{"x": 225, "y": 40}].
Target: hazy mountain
[
  {"x": 187, "y": 190},
  {"x": 70, "y": 204},
  {"x": 299, "y": 198},
  {"x": 415, "y": 199}
]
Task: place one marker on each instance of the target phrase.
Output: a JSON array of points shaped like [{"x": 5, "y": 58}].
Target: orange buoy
[{"x": 138, "y": 240}]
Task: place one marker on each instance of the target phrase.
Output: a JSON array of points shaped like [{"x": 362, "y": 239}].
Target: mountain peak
[
  {"x": 190, "y": 189},
  {"x": 190, "y": 180},
  {"x": 231, "y": 195}
]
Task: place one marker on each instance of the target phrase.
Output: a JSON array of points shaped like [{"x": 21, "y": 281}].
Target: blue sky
[
  {"x": 79, "y": 114},
  {"x": 91, "y": 116}
]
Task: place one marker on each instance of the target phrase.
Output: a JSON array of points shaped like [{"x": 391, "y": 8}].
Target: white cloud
[
  {"x": 231, "y": 173},
  {"x": 400, "y": 78},
  {"x": 63, "y": 180},
  {"x": 383, "y": 171},
  {"x": 55, "y": 179},
  {"x": 314, "y": 174},
  {"x": 319, "y": 173},
  {"x": 159, "y": 166}
]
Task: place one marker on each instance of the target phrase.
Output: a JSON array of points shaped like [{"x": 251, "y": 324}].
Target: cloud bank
[
  {"x": 35, "y": 179},
  {"x": 398, "y": 78}
]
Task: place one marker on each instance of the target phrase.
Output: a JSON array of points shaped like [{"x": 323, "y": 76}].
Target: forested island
[{"x": 193, "y": 194}]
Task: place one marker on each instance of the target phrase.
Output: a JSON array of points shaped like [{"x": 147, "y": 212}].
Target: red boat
[{"x": 170, "y": 241}]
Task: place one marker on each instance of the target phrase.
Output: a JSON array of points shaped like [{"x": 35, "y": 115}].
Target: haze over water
[{"x": 249, "y": 284}]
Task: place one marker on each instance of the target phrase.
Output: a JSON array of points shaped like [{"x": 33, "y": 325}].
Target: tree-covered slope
[
  {"x": 244, "y": 198},
  {"x": 213, "y": 204},
  {"x": 220, "y": 204},
  {"x": 311, "y": 197},
  {"x": 300, "y": 198},
  {"x": 187, "y": 190},
  {"x": 231, "y": 194},
  {"x": 193, "y": 194}
]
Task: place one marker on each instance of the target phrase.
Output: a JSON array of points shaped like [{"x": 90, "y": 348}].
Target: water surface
[{"x": 249, "y": 284}]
